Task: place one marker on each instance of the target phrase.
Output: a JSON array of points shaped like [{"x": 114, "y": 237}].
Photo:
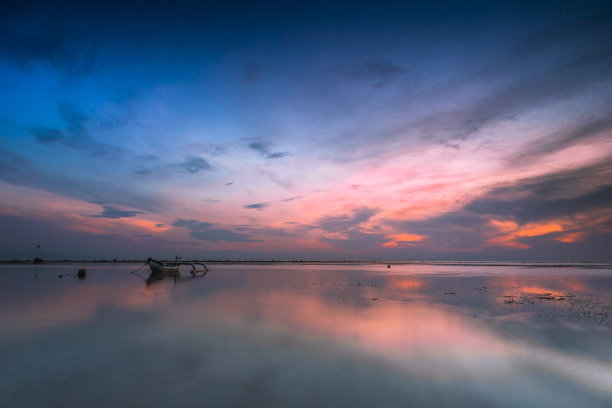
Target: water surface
[{"x": 307, "y": 335}]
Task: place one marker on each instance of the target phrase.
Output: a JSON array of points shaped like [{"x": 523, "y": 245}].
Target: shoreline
[{"x": 534, "y": 264}]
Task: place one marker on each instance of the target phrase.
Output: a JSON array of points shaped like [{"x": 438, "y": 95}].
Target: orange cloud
[
  {"x": 571, "y": 237},
  {"x": 103, "y": 226},
  {"x": 403, "y": 240},
  {"x": 148, "y": 225},
  {"x": 511, "y": 232},
  {"x": 507, "y": 241},
  {"x": 505, "y": 226},
  {"x": 533, "y": 230}
]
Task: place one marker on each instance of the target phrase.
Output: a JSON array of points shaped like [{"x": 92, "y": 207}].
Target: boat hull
[{"x": 163, "y": 268}]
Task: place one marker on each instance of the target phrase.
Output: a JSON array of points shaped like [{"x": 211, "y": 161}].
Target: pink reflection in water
[{"x": 412, "y": 325}]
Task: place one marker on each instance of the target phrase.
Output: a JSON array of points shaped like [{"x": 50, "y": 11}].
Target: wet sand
[{"x": 306, "y": 335}]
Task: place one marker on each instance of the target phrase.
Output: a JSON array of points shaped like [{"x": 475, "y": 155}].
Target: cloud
[
  {"x": 152, "y": 164},
  {"x": 48, "y": 135},
  {"x": 291, "y": 199},
  {"x": 541, "y": 71},
  {"x": 75, "y": 134},
  {"x": 193, "y": 165},
  {"x": 346, "y": 222},
  {"x": 49, "y": 39},
  {"x": 205, "y": 231},
  {"x": 454, "y": 231},
  {"x": 256, "y": 206},
  {"x": 20, "y": 171},
  {"x": 264, "y": 149},
  {"x": 560, "y": 194},
  {"x": 564, "y": 207},
  {"x": 550, "y": 65},
  {"x": 591, "y": 128},
  {"x": 191, "y": 224},
  {"x": 397, "y": 240},
  {"x": 115, "y": 213},
  {"x": 147, "y": 164},
  {"x": 357, "y": 241},
  {"x": 59, "y": 241}
]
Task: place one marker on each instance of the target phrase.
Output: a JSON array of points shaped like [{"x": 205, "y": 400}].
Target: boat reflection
[
  {"x": 162, "y": 270},
  {"x": 158, "y": 276}
]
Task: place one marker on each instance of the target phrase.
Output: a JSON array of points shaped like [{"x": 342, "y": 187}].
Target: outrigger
[{"x": 172, "y": 268}]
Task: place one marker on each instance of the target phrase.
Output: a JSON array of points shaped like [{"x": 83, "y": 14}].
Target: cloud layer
[{"x": 336, "y": 130}]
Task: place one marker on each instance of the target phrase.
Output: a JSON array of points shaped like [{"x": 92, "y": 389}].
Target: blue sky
[{"x": 306, "y": 131}]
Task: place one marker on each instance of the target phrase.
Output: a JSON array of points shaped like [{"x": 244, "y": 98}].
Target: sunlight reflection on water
[{"x": 304, "y": 335}]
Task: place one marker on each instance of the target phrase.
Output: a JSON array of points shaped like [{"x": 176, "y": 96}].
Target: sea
[{"x": 437, "y": 334}]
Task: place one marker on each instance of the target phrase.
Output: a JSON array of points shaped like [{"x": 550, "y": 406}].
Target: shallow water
[{"x": 307, "y": 335}]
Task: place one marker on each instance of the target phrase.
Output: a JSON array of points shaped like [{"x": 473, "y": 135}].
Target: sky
[{"x": 306, "y": 130}]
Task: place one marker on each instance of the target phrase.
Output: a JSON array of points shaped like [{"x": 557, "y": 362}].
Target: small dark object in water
[
  {"x": 60, "y": 276},
  {"x": 82, "y": 273},
  {"x": 388, "y": 266}
]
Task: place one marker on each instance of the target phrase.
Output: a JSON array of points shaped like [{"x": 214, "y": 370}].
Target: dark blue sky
[{"x": 353, "y": 130}]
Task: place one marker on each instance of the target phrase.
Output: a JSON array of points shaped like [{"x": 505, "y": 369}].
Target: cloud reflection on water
[
  {"x": 417, "y": 338},
  {"x": 289, "y": 335}
]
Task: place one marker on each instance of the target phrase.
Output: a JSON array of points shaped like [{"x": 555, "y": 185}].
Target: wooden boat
[
  {"x": 161, "y": 270},
  {"x": 170, "y": 268}
]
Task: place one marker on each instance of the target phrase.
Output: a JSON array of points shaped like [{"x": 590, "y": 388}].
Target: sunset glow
[{"x": 306, "y": 132}]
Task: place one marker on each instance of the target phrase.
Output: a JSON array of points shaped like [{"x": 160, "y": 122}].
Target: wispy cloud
[
  {"x": 347, "y": 222},
  {"x": 205, "y": 231},
  {"x": 356, "y": 241},
  {"x": 20, "y": 171},
  {"x": 291, "y": 199},
  {"x": 564, "y": 207},
  {"x": 75, "y": 134},
  {"x": 543, "y": 70},
  {"x": 560, "y": 194},
  {"x": 113, "y": 212},
  {"x": 590, "y": 128},
  {"x": 52, "y": 40},
  {"x": 264, "y": 148},
  {"x": 193, "y": 165},
  {"x": 256, "y": 206},
  {"x": 439, "y": 136}
]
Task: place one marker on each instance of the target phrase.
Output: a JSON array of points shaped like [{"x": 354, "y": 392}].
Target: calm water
[{"x": 303, "y": 336}]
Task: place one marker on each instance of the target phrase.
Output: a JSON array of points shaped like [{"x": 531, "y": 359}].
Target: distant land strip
[{"x": 531, "y": 264}]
